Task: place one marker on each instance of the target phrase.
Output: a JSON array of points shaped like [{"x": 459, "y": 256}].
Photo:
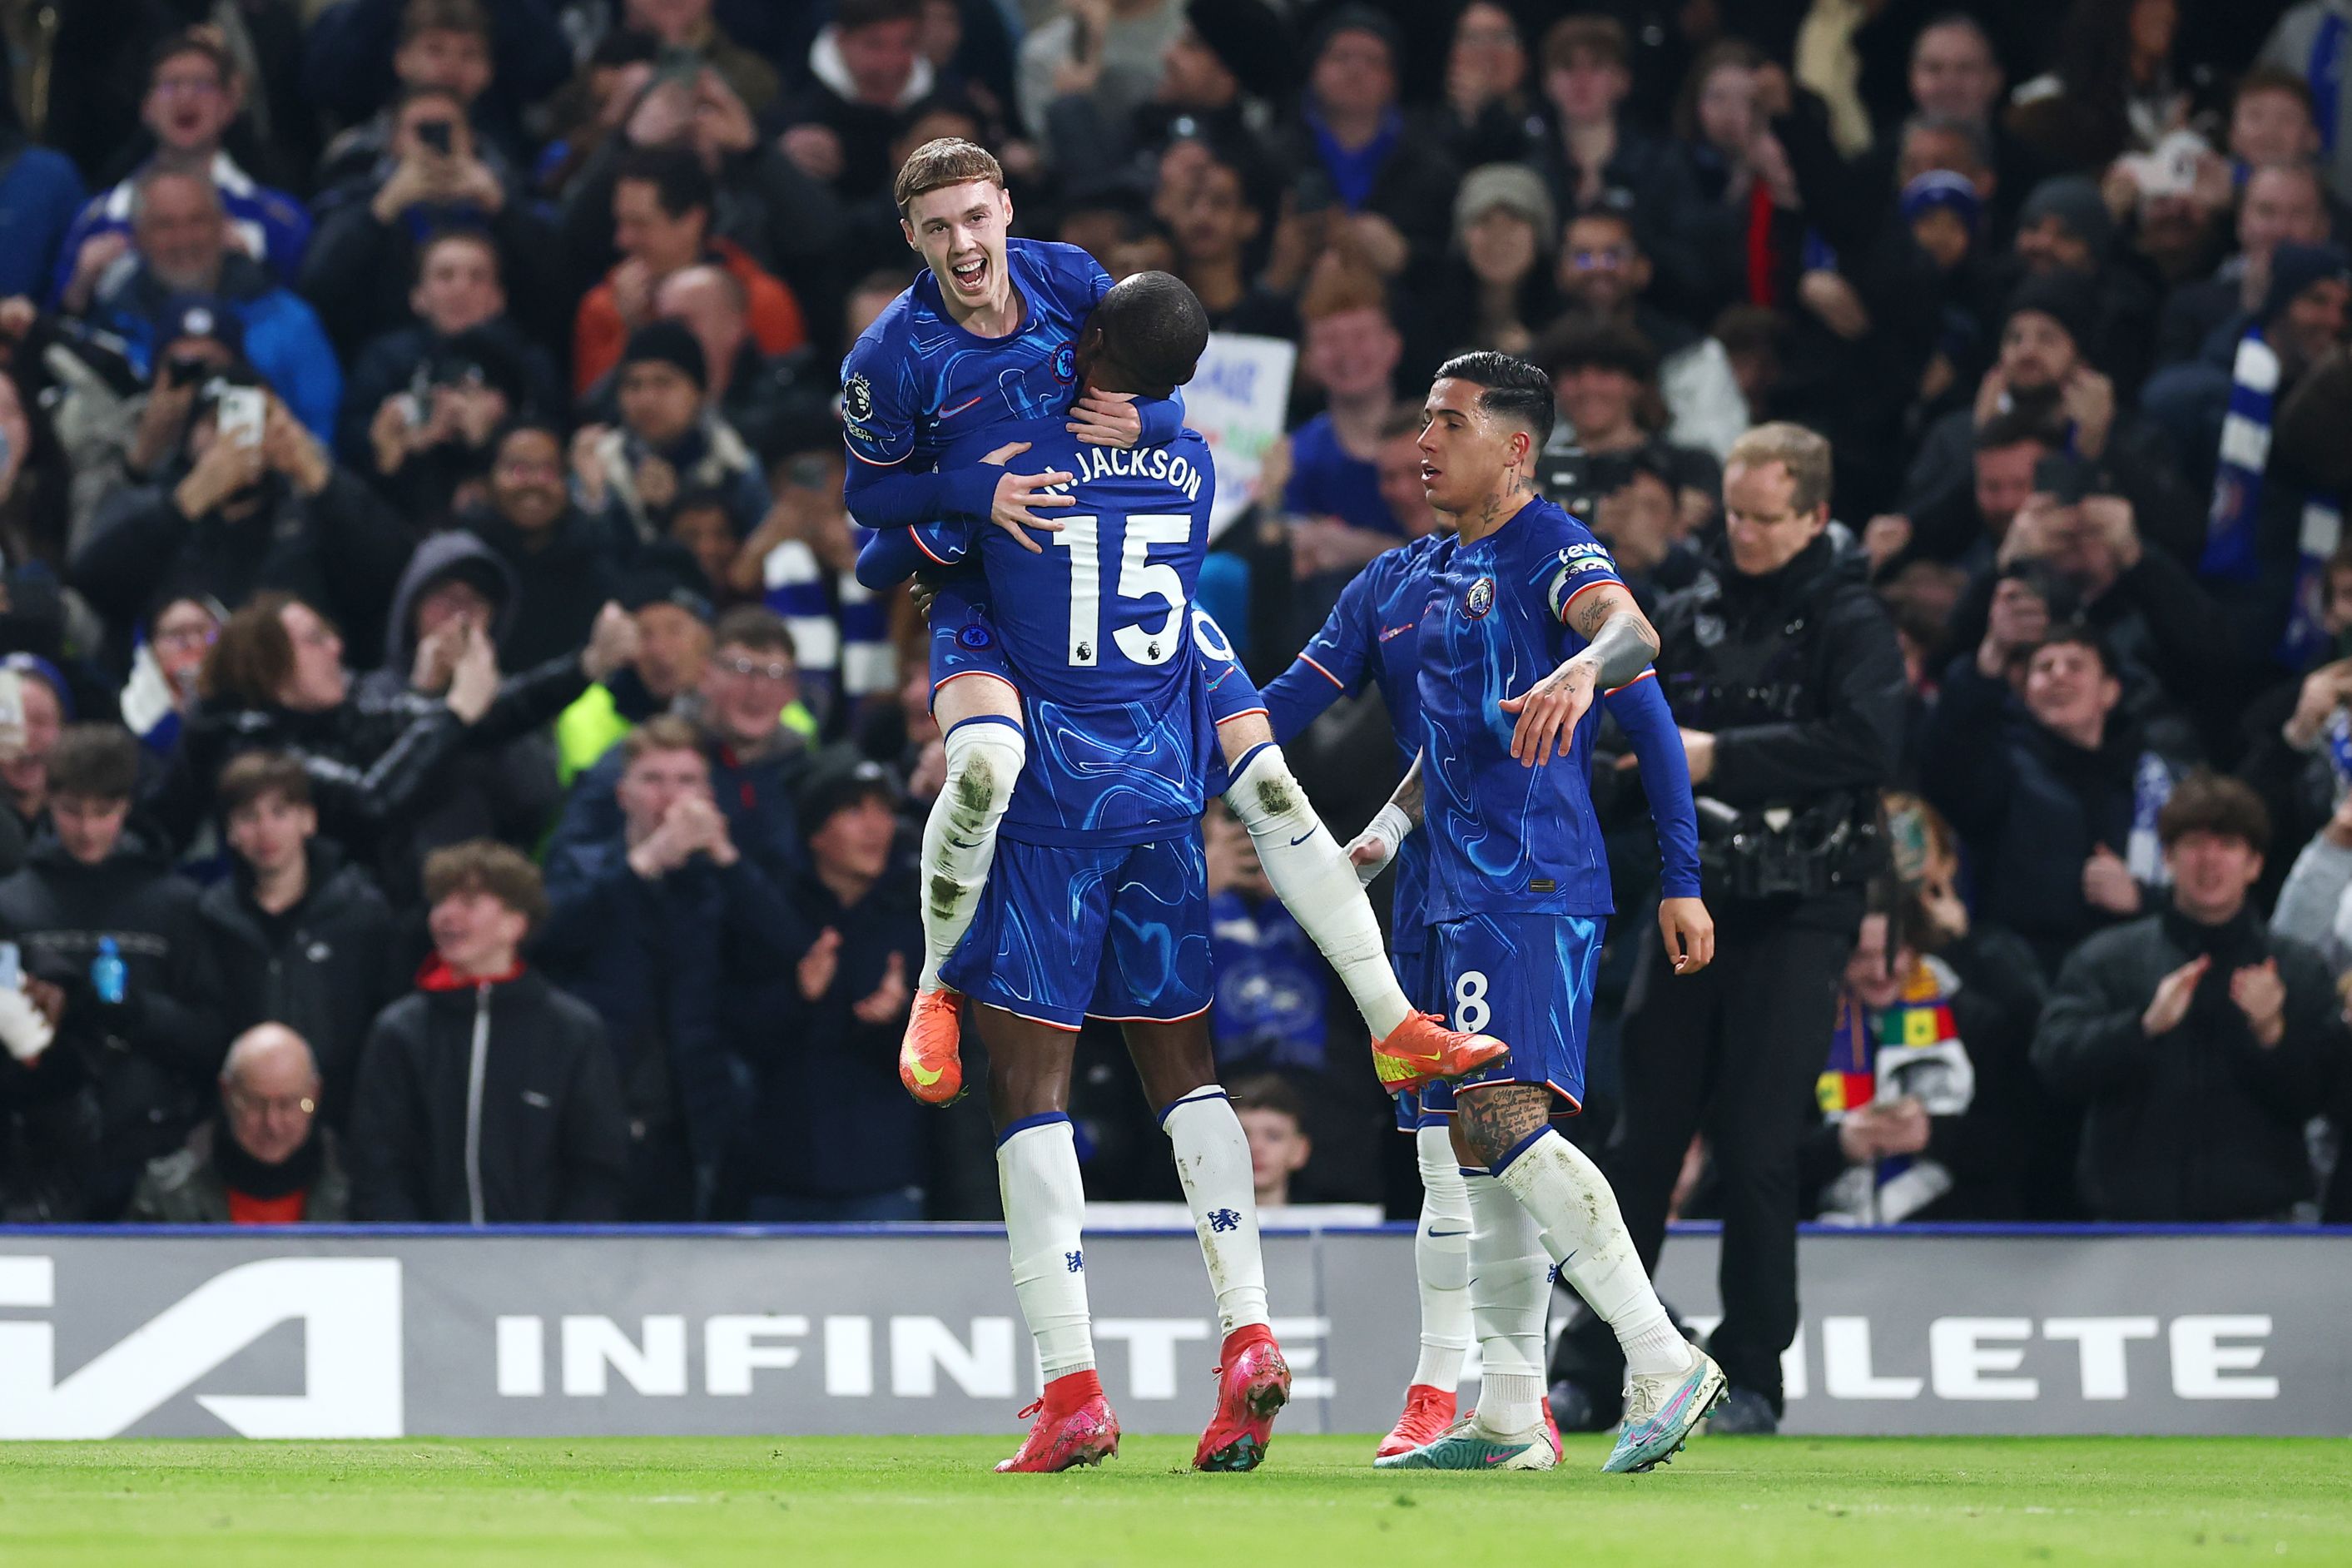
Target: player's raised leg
[
  {"x": 1044, "y": 1205},
  {"x": 1313, "y": 877},
  {"x": 1177, "y": 1067},
  {"x": 979, "y": 713}
]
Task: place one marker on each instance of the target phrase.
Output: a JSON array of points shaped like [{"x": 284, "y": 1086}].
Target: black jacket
[
  {"x": 374, "y": 759},
  {"x": 831, "y": 1118},
  {"x": 150, "y": 1058},
  {"x": 336, "y": 550},
  {"x": 357, "y": 270},
  {"x": 545, "y": 1140},
  {"x": 1798, "y": 677},
  {"x": 2029, "y": 806},
  {"x": 1854, "y": 390},
  {"x": 564, "y": 577},
  {"x": 1414, "y": 191},
  {"x": 324, "y": 969},
  {"x": 659, "y": 961},
  {"x": 2201, "y": 1123}
]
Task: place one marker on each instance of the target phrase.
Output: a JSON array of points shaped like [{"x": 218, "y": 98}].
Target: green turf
[{"x": 1886, "y": 1504}]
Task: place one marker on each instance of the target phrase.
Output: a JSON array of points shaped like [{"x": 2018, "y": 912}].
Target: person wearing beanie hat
[
  {"x": 832, "y": 1137},
  {"x": 2043, "y": 385},
  {"x": 670, "y": 441},
  {"x": 1513, "y": 187},
  {"x": 1945, "y": 213},
  {"x": 2068, "y": 299},
  {"x": 671, "y": 343},
  {"x": 2066, "y": 224},
  {"x": 667, "y": 596},
  {"x": 1499, "y": 288}
]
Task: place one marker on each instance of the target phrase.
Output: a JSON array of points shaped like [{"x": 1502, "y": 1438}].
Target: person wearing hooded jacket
[
  {"x": 116, "y": 959},
  {"x": 486, "y": 1096},
  {"x": 507, "y": 790}
]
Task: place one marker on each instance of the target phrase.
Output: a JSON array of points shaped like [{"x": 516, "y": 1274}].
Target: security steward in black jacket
[{"x": 1784, "y": 675}]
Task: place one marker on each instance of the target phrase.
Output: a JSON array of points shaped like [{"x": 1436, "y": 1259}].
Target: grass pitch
[{"x": 1883, "y": 1503}]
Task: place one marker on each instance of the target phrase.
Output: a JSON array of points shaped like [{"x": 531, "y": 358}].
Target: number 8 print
[{"x": 1471, "y": 1014}]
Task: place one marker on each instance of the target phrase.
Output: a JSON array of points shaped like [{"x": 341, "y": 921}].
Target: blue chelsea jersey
[
  {"x": 915, "y": 380},
  {"x": 1504, "y": 838},
  {"x": 1099, "y": 630},
  {"x": 1374, "y": 633}
]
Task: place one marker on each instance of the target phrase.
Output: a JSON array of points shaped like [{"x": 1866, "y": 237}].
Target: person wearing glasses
[{"x": 266, "y": 1159}]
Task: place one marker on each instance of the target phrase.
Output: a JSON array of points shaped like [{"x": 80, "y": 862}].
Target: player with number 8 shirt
[{"x": 1526, "y": 622}]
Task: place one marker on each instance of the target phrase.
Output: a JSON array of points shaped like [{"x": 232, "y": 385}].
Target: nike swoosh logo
[
  {"x": 1503, "y": 1459},
  {"x": 1302, "y": 838},
  {"x": 951, "y": 412},
  {"x": 915, "y": 1070},
  {"x": 1435, "y": 1235}
]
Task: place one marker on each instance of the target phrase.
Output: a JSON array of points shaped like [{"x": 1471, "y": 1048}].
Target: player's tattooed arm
[
  {"x": 1620, "y": 642},
  {"x": 1372, "y": 850}
]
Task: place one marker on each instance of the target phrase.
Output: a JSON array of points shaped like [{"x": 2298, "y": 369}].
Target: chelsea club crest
[
  {"x": 1479, "y": 599},
  {"x": 1065, "y": 364},
  {"x": 975, "y": 636}
]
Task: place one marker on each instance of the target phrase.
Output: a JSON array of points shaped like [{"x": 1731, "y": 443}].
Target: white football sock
[
  {"x": 1511, "y": 1288},
  {"x": 1571, "y": 1201},
  {"x": 1044, "y": 1202},
  {"x": 1311, "y": 876},
  {"x": 1213, "y": 1160},
  {"x": 984, "y": 757},
  {"x": 1441, "y": 1261}
]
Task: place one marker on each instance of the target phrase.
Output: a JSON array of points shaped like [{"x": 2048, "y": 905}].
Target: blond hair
[{"x": 1804, "y": 453}]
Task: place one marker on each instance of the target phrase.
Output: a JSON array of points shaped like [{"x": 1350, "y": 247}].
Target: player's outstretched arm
[
  {"x": 1619, "y": 643},
  {"x": 1376, "y": 846},
  {"x": 1640, "y": 708}
]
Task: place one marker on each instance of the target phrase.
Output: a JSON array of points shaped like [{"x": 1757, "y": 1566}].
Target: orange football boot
[
  {"x": 1423, "y": 1050},
  {"x": 930, "y": 1062}
]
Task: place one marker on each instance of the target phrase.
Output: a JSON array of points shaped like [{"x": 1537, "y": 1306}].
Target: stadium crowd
[{"x": 452, "y": 773}]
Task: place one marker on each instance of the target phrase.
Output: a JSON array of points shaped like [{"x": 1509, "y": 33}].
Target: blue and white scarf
[
  {"x": 2152, "y": 784},
  {"x": 2230, "y": 526}
]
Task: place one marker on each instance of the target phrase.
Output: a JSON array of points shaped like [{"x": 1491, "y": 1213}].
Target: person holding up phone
[
  {"x": 228, "y": 519},
  {"x": 366, "y": 253}
]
